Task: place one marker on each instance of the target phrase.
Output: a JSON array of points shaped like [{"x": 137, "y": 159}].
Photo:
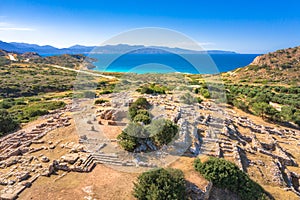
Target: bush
[
  {"x": 153, "y": 89},
  {"x": 100, "y": 101},
  {"x": 226, "y": 175},
  {"x": 106, "y": 92},
  {"x": 128, "y": 138},
  {"x": 139, "y": 104},
  {"x": 6, "y": 104},
  {"x": 36, "y": 112},
  {"x": 89, "y": 94},
  {"x": 162, "y": 131},
  {"x": 199, "y": 100},
  {"x": 263, "y": 109},
  {"x": 187, "y": 98},
  {"x": 145, "y": 119},
  {"x": 7, "y": 123},
  {"x": 205, "y": 93},
  {"x": 142, "y": 103},
  {"x": 160, "y": 184},
  {"x": 241, "y": 105},
  {"x": 133, "y": 109}
]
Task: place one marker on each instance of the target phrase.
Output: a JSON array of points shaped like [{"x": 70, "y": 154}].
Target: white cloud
[
  {"x": 15, "y": 29},
  {"x": 206, "y": 44},
  {"x": 5, "y": 26}
]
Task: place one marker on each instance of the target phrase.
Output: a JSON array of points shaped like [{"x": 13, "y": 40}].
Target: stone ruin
[{"x": 16, "y": 150}]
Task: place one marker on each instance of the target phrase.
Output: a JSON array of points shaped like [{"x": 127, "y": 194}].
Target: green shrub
[
  {"x": 100, "y": 101},
  {"x": 89, "y": 94},
  {"x": 199, "y": 100},
  {"x": 241, "y": 105},
  {"x": 187, "y": 98},
  {"x": 106, "y": 92},
  {"x": 162, "y": 131},
  {"x": 142, "y": 103},
  {"x": 160, "y": 184},
  {"x": 139, "y": 104},
  {"x": 205, "y": 93},
  {"x": 152, "y": 89},
  {"x": 263, "y": 109},
  {"x": 36, "y": 112},
  {"x": 226, "y": 175},
  {"x": 7, "y": 123},
  {"x": 145, "y": 119},
  {"x": 126, "y": 141}
]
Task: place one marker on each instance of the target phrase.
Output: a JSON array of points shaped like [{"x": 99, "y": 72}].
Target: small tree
[
  {"x": 226, "y": 175},
  {"x": 139, "y": 104},
  {"x": 142, "y": 103},
  {"x": 160, "y": 184},
  {"x": 100, "y": 101},
  {"x": 263, "y": 109},
  {"x": 142, "y": 118},
  {"x": 162, "y": 131},
  {"x": 7, "y": 123},
  {"x": 127, "y": 141}
]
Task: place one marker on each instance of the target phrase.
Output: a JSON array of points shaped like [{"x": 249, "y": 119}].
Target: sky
[{"x": 242, "y": 26}]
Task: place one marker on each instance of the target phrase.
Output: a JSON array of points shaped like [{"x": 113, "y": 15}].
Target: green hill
[{"x": 279, "y": 67}]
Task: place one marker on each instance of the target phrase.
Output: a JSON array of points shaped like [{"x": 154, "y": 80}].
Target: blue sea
[{"x": 166, "y": 63}]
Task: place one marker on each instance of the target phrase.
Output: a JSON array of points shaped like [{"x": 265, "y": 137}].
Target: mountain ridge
[{"x": 81, "y": 49}]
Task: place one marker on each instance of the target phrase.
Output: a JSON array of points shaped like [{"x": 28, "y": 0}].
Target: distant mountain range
[{"x": 107, "y": 49}]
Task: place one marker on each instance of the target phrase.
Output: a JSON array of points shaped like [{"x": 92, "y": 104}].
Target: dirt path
[{"x": 85, "y": 72}]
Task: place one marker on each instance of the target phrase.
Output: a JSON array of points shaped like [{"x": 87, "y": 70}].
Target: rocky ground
[{"x": 73, "y": 152}]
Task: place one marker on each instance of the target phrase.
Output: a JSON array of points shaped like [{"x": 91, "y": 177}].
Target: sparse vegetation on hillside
[
  {"x": 21, "y": 110},
  {"x": 281, "y": 67},
  {"x": 160, "y": 184},
  {"x": 276, "y": 103},
  {"x": 28, "y": 80},
  {"x": 75, "y": 61}
]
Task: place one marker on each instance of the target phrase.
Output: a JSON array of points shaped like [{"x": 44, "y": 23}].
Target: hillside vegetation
[
  {"x": 18, "y": 80},
  {"x": 279, "y": 67}
]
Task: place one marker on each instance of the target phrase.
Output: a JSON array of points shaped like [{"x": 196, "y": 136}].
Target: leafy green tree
[
  {"x": 127, "y": 141},
  {"x": 226, "y": 175},
  {"x": 142, "y": 103},
  {"x": 160, "y": 184},
  {"x": 287, "y": 112},
  {"x": 133, "y": 109},
  {"x": 241, "y": 105},
  {"x": 142, "y": 118},
  {"x": 7, "y": 123},
  {"x": 296, "y": 117},
  {"x": 262, "y": 97},
  {"x": 139, "y": 104},
  {"x": 162, "y": 131},
  {"x": 263, "y": 109}
]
